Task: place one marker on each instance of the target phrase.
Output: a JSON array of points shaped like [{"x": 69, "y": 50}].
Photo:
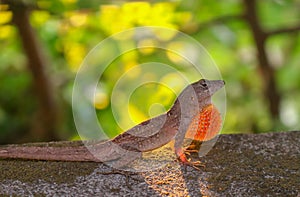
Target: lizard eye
[{"x": 203, "y": 84}]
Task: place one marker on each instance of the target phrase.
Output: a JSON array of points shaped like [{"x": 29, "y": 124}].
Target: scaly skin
[
  {"x": 191, "y": 111},
  {"x": 203, "y": 127}
]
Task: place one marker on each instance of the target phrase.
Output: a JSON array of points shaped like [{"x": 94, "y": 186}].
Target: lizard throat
[{"x": 205, "y": 125}]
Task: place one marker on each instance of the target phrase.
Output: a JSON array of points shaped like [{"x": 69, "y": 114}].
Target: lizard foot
[
  {"x": 195, "y": 164},
  {"x": 183, "y": 159}
]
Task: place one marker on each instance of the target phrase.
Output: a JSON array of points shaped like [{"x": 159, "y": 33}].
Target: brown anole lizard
[{"x": 192, "y": 115}]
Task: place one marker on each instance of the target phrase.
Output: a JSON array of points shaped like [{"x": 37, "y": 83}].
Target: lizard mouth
[{"x": 214, "y": 86}]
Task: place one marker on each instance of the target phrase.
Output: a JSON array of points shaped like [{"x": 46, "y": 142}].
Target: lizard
[{"x": 192, "y": 115}]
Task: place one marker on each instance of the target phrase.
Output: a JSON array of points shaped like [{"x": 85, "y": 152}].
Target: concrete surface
[{"x": 238, "y": 165}]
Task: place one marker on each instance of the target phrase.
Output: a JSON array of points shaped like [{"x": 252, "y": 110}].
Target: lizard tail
[{"x": 55, "y": 153}]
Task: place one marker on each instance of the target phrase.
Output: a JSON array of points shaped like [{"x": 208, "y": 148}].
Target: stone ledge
[{"x": 238, "y": 165}]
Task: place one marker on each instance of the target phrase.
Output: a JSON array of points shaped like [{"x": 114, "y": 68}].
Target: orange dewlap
[{"x": 206, "y": 125}]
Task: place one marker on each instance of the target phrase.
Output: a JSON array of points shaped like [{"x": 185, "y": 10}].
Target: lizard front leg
[
  {"x": 181, "y": 155},
  {"x": 204, "y": 126},
  {"x": 181, "y": 152}
]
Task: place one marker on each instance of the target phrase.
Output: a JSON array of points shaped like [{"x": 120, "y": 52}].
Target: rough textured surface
[{"x": 238, "y": 165}]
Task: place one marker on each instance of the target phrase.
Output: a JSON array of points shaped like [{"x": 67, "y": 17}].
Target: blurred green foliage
[{"x": 69, "y": 29}]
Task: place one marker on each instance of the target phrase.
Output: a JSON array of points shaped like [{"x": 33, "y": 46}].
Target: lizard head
[
  {"x": 202, "y": 90},
  {"x": 196, "y": 96},
  {"x": 206, "y": 88}
]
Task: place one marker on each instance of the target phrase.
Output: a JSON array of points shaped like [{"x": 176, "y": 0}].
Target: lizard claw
[
  {"x": 196, "y": 164},
  {"x": 189, "y": 151},
  {"x": 195, "y": 167}
]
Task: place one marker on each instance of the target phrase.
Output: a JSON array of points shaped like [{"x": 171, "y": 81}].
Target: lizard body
[{"x": 192, "y": 115}]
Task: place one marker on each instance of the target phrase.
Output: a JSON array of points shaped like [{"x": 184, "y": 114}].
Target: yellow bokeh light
[
  {"x": 147, "y": 46},
  {"x": 136, "y": 12},
  {"x": 174, "y": 81},
  {"x": 109, "y": 13},
  {"x": 115, "y": 18},
  {"x": 132, "y": 73},
  {"x": 101, "y": 100},
  {"x": 164, "y": 35},
  {"x": 5, "y": 17},
  {"x": 109, "y": 9},
  {"x": 5, "y": 31},
  {"x": 129, "y": 56},
  {"x": 39, "y": 17},
  {"x": 78, "y": 19},
  {"x": 175, "y": 46},
  {"x": 183, "y": 17},
  {"x": 75, "y": 54},
  {"x": 136, "y": 115}
]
